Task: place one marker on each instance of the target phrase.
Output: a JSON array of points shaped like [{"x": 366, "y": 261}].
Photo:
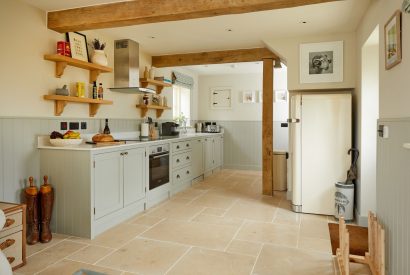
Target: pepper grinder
[
  {"x": 31, "y": 197},
  {"x": 46, "y": 204}
]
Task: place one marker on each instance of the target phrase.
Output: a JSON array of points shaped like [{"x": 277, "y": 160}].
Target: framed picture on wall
[
  {"x": 321, "y": 62},
  {"x": 248, "y": 97},
  {"x": 78, "y": 45},
  {"x": 392, "y": 41}
]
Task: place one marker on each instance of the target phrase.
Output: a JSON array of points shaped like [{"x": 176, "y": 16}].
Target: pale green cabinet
[
  {"x": 108, "y": 183},
  {"x": 134, "y": 175},
  {"x": 213, "y": 152},
  {"x": 197, "y": 157},
  {"x": 209, "y": 153},
  {"x": 119, "y": 180}
]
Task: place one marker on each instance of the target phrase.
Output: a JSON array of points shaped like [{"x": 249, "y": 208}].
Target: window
[{"x": 181, "y": 106}]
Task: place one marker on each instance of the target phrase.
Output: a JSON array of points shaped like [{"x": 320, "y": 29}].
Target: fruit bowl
[{"x": 65, "y": 142}]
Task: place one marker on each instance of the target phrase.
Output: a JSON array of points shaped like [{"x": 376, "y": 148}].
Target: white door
[
  {"x": 197, "y": 157},
  {"x": 134, "y": 175},
  {"x": 326, "y": 139},
  {"x": 108, "y": 183}
]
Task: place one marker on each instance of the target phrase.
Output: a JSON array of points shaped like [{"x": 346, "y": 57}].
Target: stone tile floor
[{"x": 222, "y": 225}]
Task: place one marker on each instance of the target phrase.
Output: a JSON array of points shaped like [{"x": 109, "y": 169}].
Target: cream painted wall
[
  {"x": 394, "y": 87},
  {"x": 394, "y": 101},
  {"x": 288, "y": 49},
  {"x": 25, "y": 77},
  {"x": 239, "y": 83}
]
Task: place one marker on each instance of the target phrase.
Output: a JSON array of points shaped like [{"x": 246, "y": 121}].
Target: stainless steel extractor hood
[{"x": 126, "y": 68}]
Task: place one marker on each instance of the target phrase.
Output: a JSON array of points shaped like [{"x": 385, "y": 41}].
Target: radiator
[{"x": 393, "y": 193}]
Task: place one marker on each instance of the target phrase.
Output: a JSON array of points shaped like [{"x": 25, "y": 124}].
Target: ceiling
[{"x": 248, "y": 30}]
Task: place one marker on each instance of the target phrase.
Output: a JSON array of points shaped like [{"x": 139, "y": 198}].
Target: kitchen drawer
[
  {"x": 182, "y": 175},
  {"x": 13, "y": 219},
  {"x": 180, "y": 146},
  {"x": 12, "y": 247},
  {"x": 182, "y": 159}
]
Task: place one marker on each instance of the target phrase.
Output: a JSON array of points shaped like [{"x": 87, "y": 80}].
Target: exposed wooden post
[{"x": 267, "y": 128}]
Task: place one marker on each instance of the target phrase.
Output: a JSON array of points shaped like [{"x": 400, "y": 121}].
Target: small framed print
[
  {"x": 392, "y": 41},
  {"x": 248, "y": 97},
  {"x": 78, "y": 45}
]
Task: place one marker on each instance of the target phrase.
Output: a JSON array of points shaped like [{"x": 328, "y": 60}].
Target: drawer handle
[
  {"x": 177, "y": 160},
  {"x": 177, "y": 146},
  {"x": 187, "y": 172},
  {"x": 126, "y": 153},
  {"x": 178, "y": 176},
  {"x": 9, "y": 222},
  {"x": 187, "y": 158},
  {"x": 187, "y": 145},
  {"x": 121, "y": 154},
  {"x": 7, "y": 243},
  {"x": 10, "y": 259}
]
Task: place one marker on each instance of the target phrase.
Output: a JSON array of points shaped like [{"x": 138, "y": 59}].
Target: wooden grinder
[
  {"x": 46, "y": 204},
  {"x": 31, "y": 197}
]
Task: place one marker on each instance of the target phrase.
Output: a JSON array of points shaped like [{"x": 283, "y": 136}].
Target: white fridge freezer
[{"x": 320, "y": 135}]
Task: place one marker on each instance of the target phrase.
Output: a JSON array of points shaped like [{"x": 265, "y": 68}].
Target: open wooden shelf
[
  {"x": 60, "y": 101},
  {"x": 145, "y": 108},
  {"x": 158, "y": 84},
  {"x": 62, "y": 62}
]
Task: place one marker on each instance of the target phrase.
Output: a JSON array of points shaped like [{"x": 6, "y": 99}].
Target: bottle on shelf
[
  {"x": 106, "y": 128},
  {"x": 95, "y": 90},
  {"x": 100, "y": 92}
]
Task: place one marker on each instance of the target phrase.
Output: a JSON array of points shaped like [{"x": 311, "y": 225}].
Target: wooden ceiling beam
[
  {"x": 218, "y": 57},
  {"x": 138, "y": 12}
]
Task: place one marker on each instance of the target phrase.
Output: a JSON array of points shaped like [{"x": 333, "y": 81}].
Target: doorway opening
[{"x": 369, "y": 114}]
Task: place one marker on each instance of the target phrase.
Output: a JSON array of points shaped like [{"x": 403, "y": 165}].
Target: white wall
[
  {"x": 289, "y": 50},
  {"x": 25, "y": 76},
  {"x": 394, "y": 99},
  {"x": 240, "y": 83},
  {"x": 241, "y": 112}
]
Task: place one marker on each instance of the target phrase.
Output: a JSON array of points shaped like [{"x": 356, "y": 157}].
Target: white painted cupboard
[
  {"x": 213, "y": 152},
  {"x": 198, "y": 158}
]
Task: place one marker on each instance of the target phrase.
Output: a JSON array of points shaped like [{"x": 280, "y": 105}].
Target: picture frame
[
  {"x": 392, "y": 41},
  {"x": 78, "y": 45},
  {"x": 321, "y": 62},
  {"x": 248, "y": 97}
]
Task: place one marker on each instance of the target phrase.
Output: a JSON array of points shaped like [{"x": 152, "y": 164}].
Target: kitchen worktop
[{"x": 44, "y": 143}]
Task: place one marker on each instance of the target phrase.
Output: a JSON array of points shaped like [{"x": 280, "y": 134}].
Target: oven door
[{"x": 158, "y": 169}]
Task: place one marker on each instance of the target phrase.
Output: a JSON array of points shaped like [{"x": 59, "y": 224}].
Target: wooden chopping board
[{"x": 107, "y": 143}]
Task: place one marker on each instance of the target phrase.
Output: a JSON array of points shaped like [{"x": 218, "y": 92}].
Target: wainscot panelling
[
  {"x": 393, "y": 191},
  {"x": 243, "y": 143},
  {"x": 19, "y": 156}
]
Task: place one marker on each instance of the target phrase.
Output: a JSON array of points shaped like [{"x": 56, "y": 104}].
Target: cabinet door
[
  {"x": 209, "y": 154},
  {"x": 134, "y": 175},
  {"x": 218, "y": 151},
  {"x": 108, "y": 183},
  {"x": 197, "y": 158}
]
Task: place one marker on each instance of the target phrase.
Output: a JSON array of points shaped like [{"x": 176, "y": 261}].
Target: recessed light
[
  {"x": 152, "y": 37},
  {"x": 229, "y": 30},
  {"x": 302, "y": 22}
]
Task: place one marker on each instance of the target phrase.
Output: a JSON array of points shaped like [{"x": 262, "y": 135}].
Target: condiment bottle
[
  {"x": 95, "y": 90},
  {"x": 106, "y": 128},
  {"x": 100, "y": 92}
]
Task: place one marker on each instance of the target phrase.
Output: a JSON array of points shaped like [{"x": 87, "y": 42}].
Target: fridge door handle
[{"x": 293, "y": 120}]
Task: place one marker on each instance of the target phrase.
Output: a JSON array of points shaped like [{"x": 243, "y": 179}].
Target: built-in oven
[{"x": 158, "y": 165}]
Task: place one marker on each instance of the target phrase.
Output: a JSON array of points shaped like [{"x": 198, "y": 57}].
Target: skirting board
[{"x": 361, "y": 220}]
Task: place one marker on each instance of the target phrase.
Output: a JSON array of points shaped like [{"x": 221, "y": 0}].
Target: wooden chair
[{"x": 375, "y": 258}]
